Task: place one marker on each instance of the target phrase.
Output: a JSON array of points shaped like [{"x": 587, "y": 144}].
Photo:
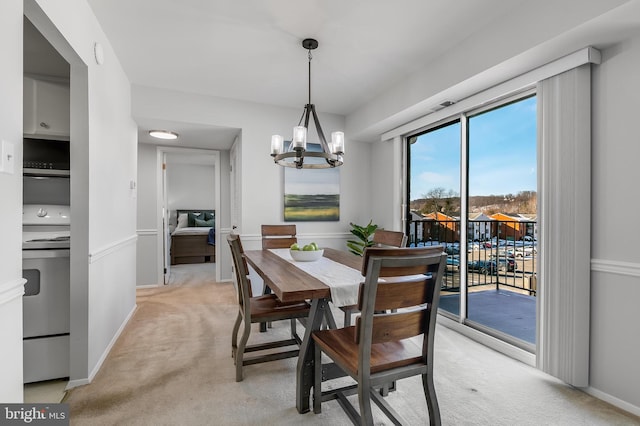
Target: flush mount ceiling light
[
  {"x": 163, "y": 134},
  {"x": 296, "y": 151}
]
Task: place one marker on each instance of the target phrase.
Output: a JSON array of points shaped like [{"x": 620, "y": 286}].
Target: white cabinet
[{"x": 46, "y": 108}]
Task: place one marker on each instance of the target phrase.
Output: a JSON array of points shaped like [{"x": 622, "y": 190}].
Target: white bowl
[{"x": 306, "y": 256}]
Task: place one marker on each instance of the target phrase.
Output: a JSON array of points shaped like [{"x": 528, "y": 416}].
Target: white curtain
[{"x": 564, "y": 144}]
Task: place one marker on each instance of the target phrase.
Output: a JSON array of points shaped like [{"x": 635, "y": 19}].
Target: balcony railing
[{"x": 499, "y": 253}]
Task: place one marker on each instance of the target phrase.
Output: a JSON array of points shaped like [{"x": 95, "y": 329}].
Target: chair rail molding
[
  {"x": 111, "y": 248},
  {"x": 616, "y": 267}
]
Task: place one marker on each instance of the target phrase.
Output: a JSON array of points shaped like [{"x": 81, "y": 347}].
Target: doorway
[{"x": 189, "y": 179}]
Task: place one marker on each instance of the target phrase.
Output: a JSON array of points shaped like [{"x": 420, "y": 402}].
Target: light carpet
[{"x": 172, "y": 366}]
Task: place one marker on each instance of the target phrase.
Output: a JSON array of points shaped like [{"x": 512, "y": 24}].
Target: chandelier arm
[
  {"x": 323, "y": 141},
  {"x": 307, "y": 111},
  {"x": 304, "y": 111}
]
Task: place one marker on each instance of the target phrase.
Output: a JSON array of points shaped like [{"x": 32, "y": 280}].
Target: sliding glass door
[{"x": 473, "y": 189}]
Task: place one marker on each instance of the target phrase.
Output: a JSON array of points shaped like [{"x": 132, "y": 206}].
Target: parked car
[
  {"x": 452, "y": 249},
  {"x": 483, "y": 266},
  {"x": 453, "y": 262},
  {"x": 525, "y": 251},
  {"x": 493, "y": 266}
]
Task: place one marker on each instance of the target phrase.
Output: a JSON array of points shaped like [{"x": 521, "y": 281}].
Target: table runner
[{"x": 342, "y": 280}]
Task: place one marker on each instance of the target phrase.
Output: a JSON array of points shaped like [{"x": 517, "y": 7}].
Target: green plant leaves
[{"x": 364, "y": 234}]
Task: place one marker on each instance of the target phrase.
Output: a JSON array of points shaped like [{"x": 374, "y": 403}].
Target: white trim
[
  {"x": 149, "y": 286},
  {"x": 623, "y": 405},
  {"x": 11, "y": 290},
  {"x": 565, "y": 63},
  {"x": 616, "y": 267},
  {"x": 111, "y": 248},
  {"x": 489, "y": 341},
  {"x": 103, "y": 357},
  {"x": 146, "y": 232}
]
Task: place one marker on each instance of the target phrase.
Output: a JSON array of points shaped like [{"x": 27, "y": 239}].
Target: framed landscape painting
[{"x": 311, "y": 195}]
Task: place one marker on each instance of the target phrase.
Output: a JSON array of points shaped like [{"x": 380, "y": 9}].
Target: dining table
[{"x": 335, "y": 278}]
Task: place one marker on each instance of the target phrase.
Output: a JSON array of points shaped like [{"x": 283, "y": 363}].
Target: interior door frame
[{"x": 162, "y": 209}]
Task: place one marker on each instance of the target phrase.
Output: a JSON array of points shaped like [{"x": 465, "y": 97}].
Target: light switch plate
[{"x": 7, "y": 160}]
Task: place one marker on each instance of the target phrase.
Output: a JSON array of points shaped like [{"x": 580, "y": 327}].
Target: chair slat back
[
  {"x": 417, "y": 274},
  {"x": 396, "y": 326},
  {"x": 401, "y": 269},
  {"x": 243, "y": 287},
  {"x": 278, "y": 236},
  {"x": 389, "y": 238}
]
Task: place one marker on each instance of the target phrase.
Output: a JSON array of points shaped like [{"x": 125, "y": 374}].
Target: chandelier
[{"x": 296, "y": 151}]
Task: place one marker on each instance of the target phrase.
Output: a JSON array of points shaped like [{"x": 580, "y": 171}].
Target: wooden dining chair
[
  {"x": 278, "y": 236},
  {"x": 384, "y": 238},
  {"x": 275, "y": 237},
  {"x": 260, "y": 309},
  {"x": 381, "y": 238},
  {"x": 379, "y": 349}
]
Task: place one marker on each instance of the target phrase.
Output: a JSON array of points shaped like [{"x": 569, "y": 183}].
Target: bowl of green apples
[{"x": 307, "y": 253}]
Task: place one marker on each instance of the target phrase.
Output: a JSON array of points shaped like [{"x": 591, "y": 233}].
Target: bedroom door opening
[{"x": 189, "y": 190}]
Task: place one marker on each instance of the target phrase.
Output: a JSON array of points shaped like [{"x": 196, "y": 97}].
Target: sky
[{"x": 502, "y": 154}]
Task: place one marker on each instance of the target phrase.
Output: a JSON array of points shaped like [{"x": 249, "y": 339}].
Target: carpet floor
[{"x": 172, "y": 365}]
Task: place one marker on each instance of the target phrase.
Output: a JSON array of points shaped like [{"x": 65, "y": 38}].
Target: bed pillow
[
  {"x": 183, "y": 221},
  {"x": 192, "y": 216},
  {"x": 205, "y": 223}
]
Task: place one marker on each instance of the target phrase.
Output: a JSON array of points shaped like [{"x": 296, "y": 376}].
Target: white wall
[
  {"x": 261, "y": 185},
  {"x": 11, "y": 283},
  {"x": 103, "y": 160},
  {"x": 615, "y": 277},
  {"x": 189, "y": 186}
]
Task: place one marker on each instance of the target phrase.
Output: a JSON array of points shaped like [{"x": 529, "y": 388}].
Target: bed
[{"x": 193, "y": 238}]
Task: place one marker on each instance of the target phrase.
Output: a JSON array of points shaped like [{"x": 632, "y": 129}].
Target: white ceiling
[{"x": 251, "y": 49}]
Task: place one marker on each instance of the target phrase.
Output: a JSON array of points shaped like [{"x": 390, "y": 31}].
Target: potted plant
[{"x": 364, "y": 234}]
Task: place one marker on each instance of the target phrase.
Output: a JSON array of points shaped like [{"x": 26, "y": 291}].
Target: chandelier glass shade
[{"x": 295, "y": 152}]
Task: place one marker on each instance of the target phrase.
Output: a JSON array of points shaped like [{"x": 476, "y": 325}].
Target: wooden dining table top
[{"x": 288, "y": 282}]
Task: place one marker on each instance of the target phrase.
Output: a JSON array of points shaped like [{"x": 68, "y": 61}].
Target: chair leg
[
  {"x": 234, "y": 336},
  {"x": 347, "y": 317},
  {"x": 432, "y": 400},
  {"x": 294, "y": 334},
  {"x": 364, "y": 398},
  {"x": 240, "y": 350}
]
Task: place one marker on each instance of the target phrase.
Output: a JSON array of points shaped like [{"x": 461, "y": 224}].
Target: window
[{"x": 485, "y": 216}]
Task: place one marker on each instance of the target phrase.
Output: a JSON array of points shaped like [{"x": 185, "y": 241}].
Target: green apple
[
  {"x": 294, "y": 246},
  {"x": 315, "y": 246},
  {"x": 307, "y": 247}
]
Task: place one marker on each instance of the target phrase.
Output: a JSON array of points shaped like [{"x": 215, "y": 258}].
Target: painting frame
[{"x": 311, "y": 195}]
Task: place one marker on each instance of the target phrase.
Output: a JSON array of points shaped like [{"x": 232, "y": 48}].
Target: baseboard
[
  {"x": 617, "y": 402},
  {"x": 149, "y": 286},
  {"x": 85, "y": 381}
]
